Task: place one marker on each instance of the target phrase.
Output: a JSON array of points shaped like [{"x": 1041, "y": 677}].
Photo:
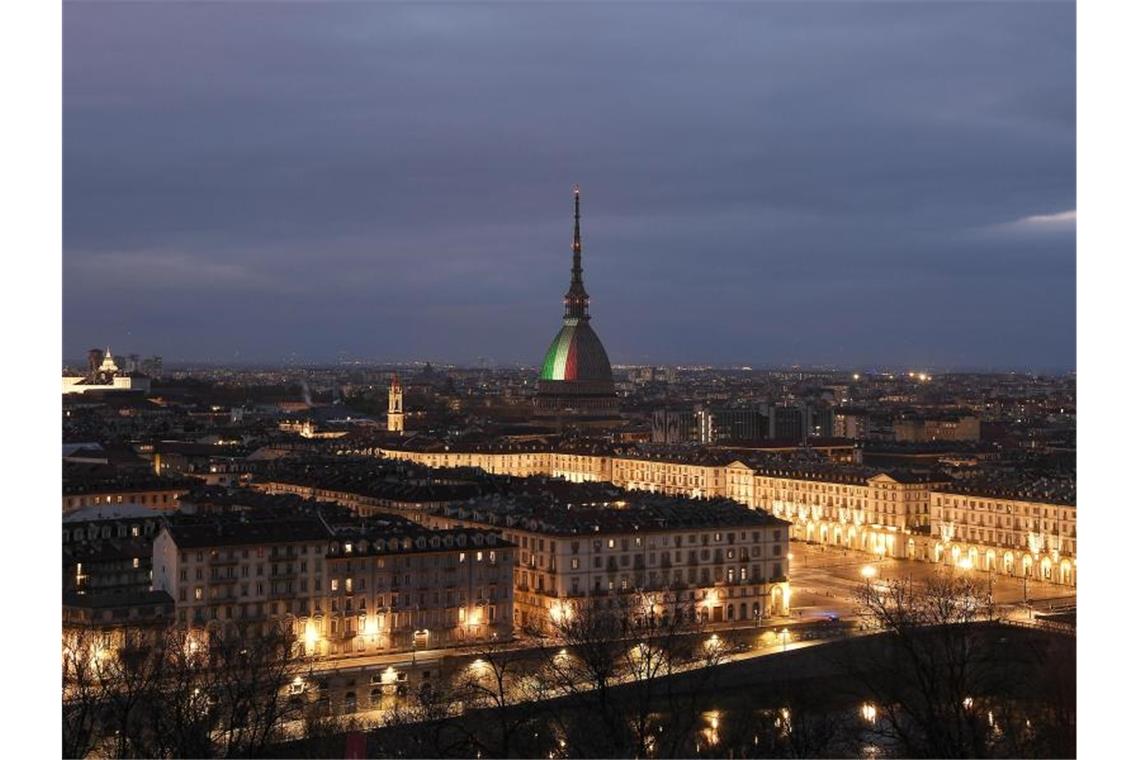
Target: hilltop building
[{"x": 104, "y": 374}]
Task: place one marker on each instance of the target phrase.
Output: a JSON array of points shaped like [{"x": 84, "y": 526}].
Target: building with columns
[
  {"x": 884, "y": 512},
  {"x": 1025, "y": 529}
]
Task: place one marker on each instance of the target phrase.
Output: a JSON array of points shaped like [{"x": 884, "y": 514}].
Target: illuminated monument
[
  {"x": 396, "y": 406},
  {"x": 575, "y": 377}
]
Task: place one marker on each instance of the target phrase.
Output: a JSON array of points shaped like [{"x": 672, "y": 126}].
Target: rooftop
[
  {"x": 125, "y": 511},
  {"x": 634, "y": 513},
  {"x": 1045, "y": 488}
]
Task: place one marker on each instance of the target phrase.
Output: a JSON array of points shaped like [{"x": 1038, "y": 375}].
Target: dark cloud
[{"x": 762, "y": 182}]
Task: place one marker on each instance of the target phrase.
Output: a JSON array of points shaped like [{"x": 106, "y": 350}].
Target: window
[
  {"x": 334, "y": 584},
  {"x": 198, "y": 593}
]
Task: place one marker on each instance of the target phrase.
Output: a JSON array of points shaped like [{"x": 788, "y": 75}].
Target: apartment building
[
  {"x": 341, "y": 585},
  {"x": 660, "y": 556}
]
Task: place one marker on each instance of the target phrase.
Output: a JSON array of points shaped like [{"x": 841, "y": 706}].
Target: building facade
[
  {"x": 879, "y": 511},
  {"x": 659, "y": 559},
  {"x": 1029, "y": 534},
  {"x": 391, "y": 586}
]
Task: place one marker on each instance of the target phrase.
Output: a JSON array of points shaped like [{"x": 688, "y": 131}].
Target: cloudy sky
[{"x": 857, "y": 184}]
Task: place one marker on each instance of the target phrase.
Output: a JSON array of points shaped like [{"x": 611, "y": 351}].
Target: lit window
[
  {"x": 347, "y": 584},
  {"x": 333, "y": 584},
  {"x": 198, "y": 593}
]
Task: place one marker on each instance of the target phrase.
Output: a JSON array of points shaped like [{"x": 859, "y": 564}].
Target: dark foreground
[{"x": 965, "y": 691}]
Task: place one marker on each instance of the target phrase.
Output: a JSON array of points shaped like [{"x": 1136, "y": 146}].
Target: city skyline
[{"x": 857, "y": 187}]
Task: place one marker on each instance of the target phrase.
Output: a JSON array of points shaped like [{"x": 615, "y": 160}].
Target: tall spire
[{"x": 577, "y": 300}]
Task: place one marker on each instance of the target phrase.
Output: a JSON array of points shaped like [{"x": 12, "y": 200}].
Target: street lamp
[
  {"x": 869, "y": 572},
  {"x": 784, "y": 638}
]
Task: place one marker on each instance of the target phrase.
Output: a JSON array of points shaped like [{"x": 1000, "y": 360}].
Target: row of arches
[
  {"x": 1008, "y": 562},
  {"x": 885, "y": 543}
]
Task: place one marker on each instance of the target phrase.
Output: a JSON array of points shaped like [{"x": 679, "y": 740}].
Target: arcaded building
[{"x": 1022, "y": 527}]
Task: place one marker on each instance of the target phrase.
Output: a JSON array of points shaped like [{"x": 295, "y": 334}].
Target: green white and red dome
[
  {"x": 576, "y": 371},
  {"x": 577, "y": 355}
]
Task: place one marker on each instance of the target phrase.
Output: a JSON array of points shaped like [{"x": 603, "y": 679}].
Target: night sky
[{"x": 854, "y": 184}]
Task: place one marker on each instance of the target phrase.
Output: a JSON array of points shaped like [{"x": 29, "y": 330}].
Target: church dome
[{"x": 576, "y": 354}]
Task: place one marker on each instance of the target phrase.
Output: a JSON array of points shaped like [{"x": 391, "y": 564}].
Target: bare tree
[
  {"x": 181, "y": 712},
  {"x": 82, "y": 691},
  {"x": 128, "y": 669},
  {"x": 497, "y": 681},
  {"x": 142, "y": 692},
  {"x": 929, "y": 672},
  {"x": 255, "y": 664},
  {"x": 616, "y": 659}
]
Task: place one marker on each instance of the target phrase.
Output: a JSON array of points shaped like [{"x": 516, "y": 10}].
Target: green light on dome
[{"x": 554, "y": 365}]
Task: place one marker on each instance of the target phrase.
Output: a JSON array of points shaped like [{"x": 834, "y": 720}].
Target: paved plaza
[{"x": 824, "y": 582}]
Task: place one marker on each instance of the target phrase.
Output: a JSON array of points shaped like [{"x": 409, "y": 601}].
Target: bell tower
[{"x": 395, "y": 406}]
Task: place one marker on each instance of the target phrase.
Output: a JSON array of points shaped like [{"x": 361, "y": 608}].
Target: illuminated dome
[
  {"x": 576, "y": 374},
  {"x": 577, "y": 355}
]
